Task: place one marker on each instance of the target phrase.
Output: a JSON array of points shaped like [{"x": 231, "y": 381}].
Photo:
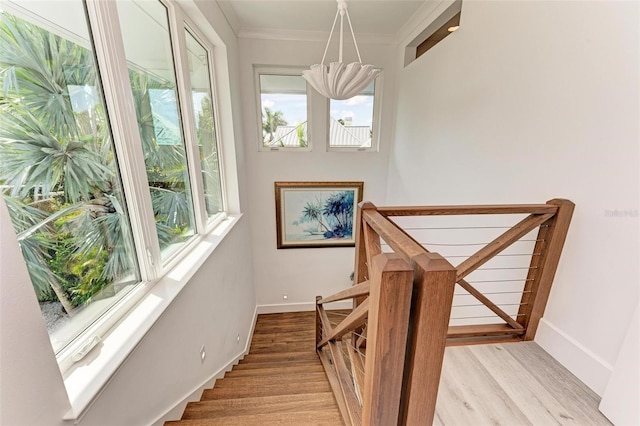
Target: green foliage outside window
[{"x": 58, "y": 171}]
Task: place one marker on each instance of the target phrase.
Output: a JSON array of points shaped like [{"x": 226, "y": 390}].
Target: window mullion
[
  {"x": 214, "y": 100},
  {"x": 183, "y": 83},
  {"x": 112, "y": 63}
]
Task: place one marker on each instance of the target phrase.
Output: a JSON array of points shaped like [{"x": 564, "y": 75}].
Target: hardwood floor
[
  {"x": 511, "y": 384},
  {"x": 281, "y": 382}
]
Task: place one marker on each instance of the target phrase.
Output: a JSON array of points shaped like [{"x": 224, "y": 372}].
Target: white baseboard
[
  {"x": 592, "y": 370},
  {"x": 300, "y": 307},
  {"x": 175, "y": 412}
]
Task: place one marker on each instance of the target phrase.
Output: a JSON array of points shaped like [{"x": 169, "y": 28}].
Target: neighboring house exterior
[{"x": 340, "y": 135}]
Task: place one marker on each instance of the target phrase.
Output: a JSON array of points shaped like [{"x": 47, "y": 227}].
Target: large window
[
  {"x": 153, "y": 82},
  {"x": 351, "y": 121},
  {"x": 204, "y": 122},
  {"x": 283, "y": 103},
  {"x": 94, "y": 233},
  {"x": 283, "y": 109}
]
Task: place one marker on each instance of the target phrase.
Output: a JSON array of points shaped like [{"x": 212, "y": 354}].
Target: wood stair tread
[
  {"x": 266, "y": 389},
  {"x": 259, "y": 405},
  {"x": 281, "y": 357},
  {"x": 299, "y": 418},
  {"x": 282, "y": 377},
  {"x": 268, "y": 349},
  {"x": 273, "y": 364},
  {"x": 280, "y": 382},
  {"x": 274, "y": 342},
  {"x": 283, "y": 332},
  {"x": 295, "y": 368}
]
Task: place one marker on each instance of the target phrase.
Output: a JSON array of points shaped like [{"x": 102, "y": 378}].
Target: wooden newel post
[
  {"x": 389, "y": 306},
  {"x": 544, "y": 263},
  {"x": 318, "y": 322},
  {"x": 434, "y": 283},
  {"x": 360, "y": 272}
]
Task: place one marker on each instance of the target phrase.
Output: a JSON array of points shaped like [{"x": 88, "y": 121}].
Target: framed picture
[{"x": 316, "y": 214}]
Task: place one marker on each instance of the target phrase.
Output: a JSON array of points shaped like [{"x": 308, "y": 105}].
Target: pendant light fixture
[{"x": 340, "y": 81}]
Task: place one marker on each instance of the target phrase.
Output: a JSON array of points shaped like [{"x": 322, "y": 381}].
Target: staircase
[
  {"x": 380, "y": 363},
  {"x": 280, "y": 382}
]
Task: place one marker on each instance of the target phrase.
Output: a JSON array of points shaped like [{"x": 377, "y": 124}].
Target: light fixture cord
[
  {"x": 342, "y": 9},
  {"x": 354, "y": 39},
  {"x": 330, "y": 35},
  {"x": 341, "y": 37}
]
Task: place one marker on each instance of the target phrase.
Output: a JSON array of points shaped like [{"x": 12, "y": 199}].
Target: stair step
[
  {"x": 259, "y": 405},
  {"x": 281, "y": 357},
  {"x": 280, "y": 348},
  {"x": 273, "y": 364},
  {"x": 284, "y": 333},
  {"x": 286, "y": 317},
  {"x": 271, "y": 339},
  {"x": 276, "y": 379},
  {"x": 265, "y": 388},
  {"x": 277, "y": 370},
  {"x": 281, "y": 382},
  {"x": 291, "y": 325},
  {"x": 306, "y": 418}
]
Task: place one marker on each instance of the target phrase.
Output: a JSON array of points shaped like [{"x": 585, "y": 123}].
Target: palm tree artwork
[
  {"x": 312, "y": 212},
  {"x": 339, "y": 210},
  {"x": 330, "y": 215}
]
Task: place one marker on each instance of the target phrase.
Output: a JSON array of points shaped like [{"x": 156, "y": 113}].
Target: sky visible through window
[
  {"x": 359, "y": 109},
  {"x": 294, "y": 108}
]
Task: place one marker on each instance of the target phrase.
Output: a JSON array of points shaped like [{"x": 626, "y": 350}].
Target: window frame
[
  {"x": 259, "y": 70},
  {"x": 179, "y": 23},
  {"x": 375, "y": 123},
  {"x": 107, "y": 46}
]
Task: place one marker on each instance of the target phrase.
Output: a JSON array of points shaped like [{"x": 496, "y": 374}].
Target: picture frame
[{"x": 316, "y": 214}]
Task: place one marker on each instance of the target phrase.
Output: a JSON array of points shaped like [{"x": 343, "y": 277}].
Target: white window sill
[{"x": 86, "y": 380}]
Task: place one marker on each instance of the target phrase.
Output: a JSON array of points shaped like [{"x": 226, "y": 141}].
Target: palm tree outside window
[{"x": 85, "y": 205}]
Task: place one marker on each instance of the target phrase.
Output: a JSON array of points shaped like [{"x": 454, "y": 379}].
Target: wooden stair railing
[
  {"x": 394, "y": 338},
  {"x": 399, "y": 330},
  {"x": 552, "y": 220}
]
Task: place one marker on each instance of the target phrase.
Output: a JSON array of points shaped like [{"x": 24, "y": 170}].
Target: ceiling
[{"x": 313, "y": 18}]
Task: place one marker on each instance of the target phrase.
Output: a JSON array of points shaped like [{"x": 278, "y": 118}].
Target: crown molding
[
  {"x": 417, "y": 20},
  {"x": 310, "y": 36},
  {"x": 230, "y": 16}
]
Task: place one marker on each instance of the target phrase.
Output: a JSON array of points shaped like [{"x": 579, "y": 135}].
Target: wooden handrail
[
  {"x": 354, "y": 320},
  {"x": 468, "y": 210},
  {"x": 403, "y": 302},
  {"x": 398, "y": 240},
  {"x": 357, "y": 290}
]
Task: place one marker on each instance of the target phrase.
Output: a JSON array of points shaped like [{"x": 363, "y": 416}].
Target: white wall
[
  {"x": 217, "y": 304},
  {"x": 623, "y": 388},
  {"x": 165, "y": 368},
  {"x": 528, "y": 101},
  {"x": 305, "y": 273},
  {"x": 29, "y": 374}
]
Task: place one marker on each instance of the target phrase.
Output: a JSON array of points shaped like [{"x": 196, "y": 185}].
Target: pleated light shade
[{"x": 339, "y": 80}]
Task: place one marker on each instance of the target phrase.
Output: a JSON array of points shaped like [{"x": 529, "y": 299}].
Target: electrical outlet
[
  {"x": 203, "y": 354},
  {"x": 285, "y": 296},
  {"x": 238, "y": 338}
]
